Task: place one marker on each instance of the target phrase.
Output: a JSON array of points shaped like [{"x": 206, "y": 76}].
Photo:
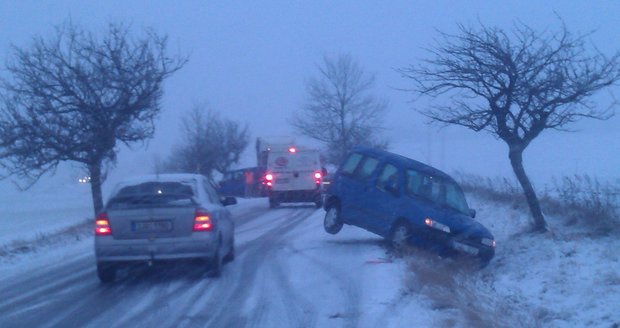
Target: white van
[{"x": 294, "y": 175}]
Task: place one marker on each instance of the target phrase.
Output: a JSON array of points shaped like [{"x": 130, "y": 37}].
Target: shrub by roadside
[{"x": 579, "y": 199}]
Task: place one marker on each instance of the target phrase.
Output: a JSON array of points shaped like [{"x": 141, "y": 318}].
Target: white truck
[{"x": 293, "y": 173}]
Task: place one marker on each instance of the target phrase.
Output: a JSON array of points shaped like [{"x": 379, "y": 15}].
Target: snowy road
[{"x": 287, "y": 273}]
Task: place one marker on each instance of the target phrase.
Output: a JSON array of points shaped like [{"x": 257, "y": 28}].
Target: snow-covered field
[{"x": 289, "y": 271}]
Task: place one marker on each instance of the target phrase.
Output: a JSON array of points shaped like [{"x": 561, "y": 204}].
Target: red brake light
[
  {"x": 292, "y": 150},
  {"x": 202, "y": 221},
  {"x": 269, "y": 177},
  {"x": 102, "y": 225},
  {"x": 317, "y": 175}
]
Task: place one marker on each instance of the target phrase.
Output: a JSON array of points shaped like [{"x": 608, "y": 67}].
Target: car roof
[
  {"x": 402, "y": 161},
  {"x": 168, "y": 177}
]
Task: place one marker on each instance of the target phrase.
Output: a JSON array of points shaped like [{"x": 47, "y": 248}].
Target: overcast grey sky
[{"x": 249, "y": 60}]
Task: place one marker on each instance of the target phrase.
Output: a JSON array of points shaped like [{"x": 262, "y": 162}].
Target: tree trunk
[
  {"x": 516, "y": 160},
  {"x": 95, "y": 186}
]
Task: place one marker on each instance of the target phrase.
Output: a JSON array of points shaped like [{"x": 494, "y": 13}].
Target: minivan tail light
[
  {"x": 102, "y": 225},
  {"x": 202, "y": 221}
]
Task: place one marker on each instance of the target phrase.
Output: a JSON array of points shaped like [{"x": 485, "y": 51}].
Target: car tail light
[
  {"x": 269, "y": 179},
  {"x": 202, "y": 221},
  {"x": 102, "y": 225},
  {"x": 292, "y": 150}
]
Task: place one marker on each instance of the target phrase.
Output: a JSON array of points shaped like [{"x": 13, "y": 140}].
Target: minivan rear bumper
[
  {"x": 292, "y": 196},
  {"x": 199, "y": 245}
]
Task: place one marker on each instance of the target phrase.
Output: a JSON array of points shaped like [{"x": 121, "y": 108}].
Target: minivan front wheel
[
  {"x": 333, "y": 222},
  {"x": 400, "y": 235}
]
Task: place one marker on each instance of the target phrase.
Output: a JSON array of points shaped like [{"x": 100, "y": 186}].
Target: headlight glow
[
  {"x": 488, "y": 242},
  {"x": 436, "y": 225}
]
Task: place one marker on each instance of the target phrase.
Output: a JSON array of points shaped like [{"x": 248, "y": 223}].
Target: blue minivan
[{"x": 406, "y": 202}]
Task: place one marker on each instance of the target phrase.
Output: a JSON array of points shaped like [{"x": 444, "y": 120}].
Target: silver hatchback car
[{"x": 164, "y": 217}]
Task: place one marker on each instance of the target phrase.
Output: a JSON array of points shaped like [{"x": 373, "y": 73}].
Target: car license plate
[
  {"x": 465, "y": 248},
  {"x": 152, "y": 226}
]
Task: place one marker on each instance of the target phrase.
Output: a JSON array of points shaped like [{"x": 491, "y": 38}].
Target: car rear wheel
[
  {"x": 333, "y": 222},
  {"x": 215, "y": 264},
  {"x": 106, "y": 272},
  {"x": 231, "y": 254},
  {"x": 400, "y": 235}
]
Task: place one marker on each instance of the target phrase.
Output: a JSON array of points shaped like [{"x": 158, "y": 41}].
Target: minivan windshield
[{"x": 439, "y": 190}]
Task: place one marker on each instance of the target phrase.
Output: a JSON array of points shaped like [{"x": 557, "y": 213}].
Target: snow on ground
[
  {"x": 566, "y": 278},
  {"x": 45, "y": 208}
]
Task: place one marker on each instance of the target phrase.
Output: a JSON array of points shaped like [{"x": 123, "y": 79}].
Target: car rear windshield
[
  {"x": 153, "y": 194},
  {"x": 439, "y": 190}
]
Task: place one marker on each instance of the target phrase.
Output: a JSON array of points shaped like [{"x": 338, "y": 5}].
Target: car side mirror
[
  {"x": 472, "y": 213},
  {"x": 229, "y": 201}
]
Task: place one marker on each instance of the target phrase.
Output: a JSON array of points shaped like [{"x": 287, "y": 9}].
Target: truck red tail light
[
  {"x": 202, "y": 221},
  {"x": 269, "y": 179},
  {"x": 317, "y": 177},
  {"x": 102, "y": 225}
]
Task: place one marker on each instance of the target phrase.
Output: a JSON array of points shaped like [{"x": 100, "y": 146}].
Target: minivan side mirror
[
  {"x": 472, "y": 213},
  {"x": 229, "y": 201}
]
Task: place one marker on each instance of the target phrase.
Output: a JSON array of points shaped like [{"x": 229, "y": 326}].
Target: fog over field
[{"x": 250, "y": 60}]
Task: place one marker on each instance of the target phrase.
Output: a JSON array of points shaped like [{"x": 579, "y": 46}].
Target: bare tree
[
  {"x": 340, "y": 112},
  {"x": 515, "y": 85},
  {"x": 74, "y": 96},
  {"x": 210, "y": 143}
]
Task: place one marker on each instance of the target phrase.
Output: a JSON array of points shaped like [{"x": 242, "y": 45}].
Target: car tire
[
  {"x": 332, "y": 223},
  {"x": 318, "y": 202},
  {"x": 106, "y": 272},
  {"x": 400, "y": 235},
  {"x": 215, "y": 264},
  {"x": 231, "y": 254}
]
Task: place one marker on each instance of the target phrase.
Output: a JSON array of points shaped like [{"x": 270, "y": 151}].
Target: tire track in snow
[
  {"x": 255, "y": 253},
  {"x": 352, "y": 290}
]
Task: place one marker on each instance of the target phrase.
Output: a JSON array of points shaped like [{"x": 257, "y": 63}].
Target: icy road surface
[{"x": 287, "y": 273}]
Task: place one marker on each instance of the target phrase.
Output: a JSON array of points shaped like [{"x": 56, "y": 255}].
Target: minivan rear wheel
[
  {"x": 400, "y": 235},
  {"x": 106, "y": 272},
  {"x": 333, "y": 222}
]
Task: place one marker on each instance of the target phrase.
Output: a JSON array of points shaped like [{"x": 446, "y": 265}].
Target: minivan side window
[
  {"x": 388, "y": 179},
  {"x": 351, "y": 163},
  {"x": 365, "y": 169}
]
